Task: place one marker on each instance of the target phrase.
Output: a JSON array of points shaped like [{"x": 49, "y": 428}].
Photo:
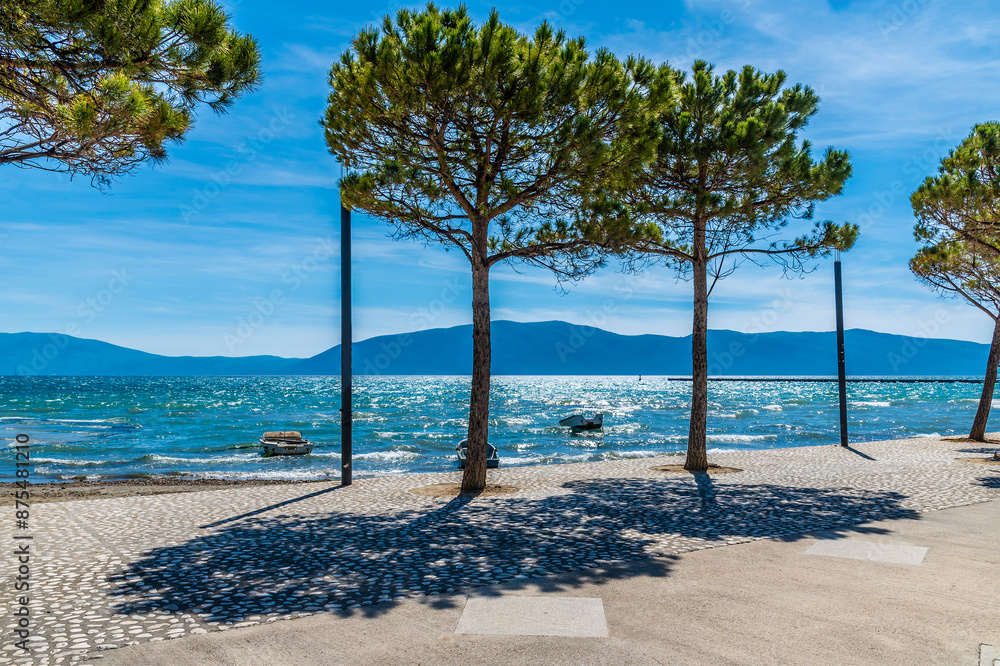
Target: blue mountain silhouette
[{"x": 537, "y": 348}]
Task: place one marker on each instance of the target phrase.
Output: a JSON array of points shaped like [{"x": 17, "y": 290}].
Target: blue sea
[{"x": 208, "y": 427}]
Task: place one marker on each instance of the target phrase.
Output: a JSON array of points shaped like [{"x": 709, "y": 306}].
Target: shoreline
[
  {"x": 70, "y": 490},
  {"x": 80, "y": 489}
]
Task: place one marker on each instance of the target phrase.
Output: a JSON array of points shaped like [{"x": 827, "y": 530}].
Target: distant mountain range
[{"x": 538, "y": 348}]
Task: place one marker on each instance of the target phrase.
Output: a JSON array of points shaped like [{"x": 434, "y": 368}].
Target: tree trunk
[
  {"x": 989, "y": 383},
  {"x": 474, "y": 477},
  {"x": 697, "y": 455}
]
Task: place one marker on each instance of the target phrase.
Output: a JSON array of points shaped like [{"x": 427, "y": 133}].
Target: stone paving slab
[
  {"x": 856, "y": 549},
  {"x": 580, "y": 617},
  {"x": 122, "y": 571}
]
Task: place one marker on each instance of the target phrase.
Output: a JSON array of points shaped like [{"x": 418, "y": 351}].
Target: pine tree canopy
[
  {"x": 957, "y": 267},
  {"x": 486, "y": 139},
  {"x": 963, "y": 200},
  {"x": 97, "y": 87},
  {"x": 958, "y": 218},
  {"x": 729, "y": 163}
]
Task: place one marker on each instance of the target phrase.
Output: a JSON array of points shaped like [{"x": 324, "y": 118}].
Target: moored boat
[
  {"x": 492, "y": 455},
  {"x": 285, "y": 443},
  {"x": 577, "y": 422}
]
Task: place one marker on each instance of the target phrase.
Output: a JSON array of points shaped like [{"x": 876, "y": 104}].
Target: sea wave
[
  {"x": 740, "y": 438},
  {"x": 386, "y": 455},
  {"x": 76, "y": 463},
  {"x": 170, "y": 427},
  {"x": 209, "y": 460}
]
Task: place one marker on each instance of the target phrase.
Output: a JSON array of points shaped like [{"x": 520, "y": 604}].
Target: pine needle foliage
[
  {"x": 963, "y": 199},
  {"x": 97, "y": 87}
]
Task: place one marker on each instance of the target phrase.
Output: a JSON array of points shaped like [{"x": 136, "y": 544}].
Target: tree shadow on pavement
[
  {"x": 986, "y": 450},
  {"x": 347, "y": 562},
  {"x": 991, "y": 481}
]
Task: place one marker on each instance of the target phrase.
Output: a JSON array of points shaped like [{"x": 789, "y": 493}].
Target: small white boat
[
  {"x": 285, "y": 443},
  {"x": 492, "y": 455},
  {"x": 577, "y": 422}
]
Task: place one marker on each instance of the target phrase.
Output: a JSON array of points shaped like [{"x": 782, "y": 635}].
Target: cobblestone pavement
[{"x": 114, "y": 572}]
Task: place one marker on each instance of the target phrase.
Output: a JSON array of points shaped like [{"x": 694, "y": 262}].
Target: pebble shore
[
  {"x": 66, "y": 491},
  {"x": 108, "y": 573}
]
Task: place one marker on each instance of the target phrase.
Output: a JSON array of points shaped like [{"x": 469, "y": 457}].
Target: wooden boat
[
  {"x": 285, "y": 443},
  {"x": 492, "y": 455},
  {"x": 577, "y": 422}
]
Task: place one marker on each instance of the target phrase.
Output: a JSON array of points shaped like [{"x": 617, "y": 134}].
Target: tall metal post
[
  {"x": 346, "y": 371},
  {"x": 841, "y": 361}
]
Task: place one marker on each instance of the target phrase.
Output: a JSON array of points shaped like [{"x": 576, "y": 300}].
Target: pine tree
[
  {"x": 958, "y": 218},
  {"x": 489, "y": 142},
  {"x": 727, "y": 178}
]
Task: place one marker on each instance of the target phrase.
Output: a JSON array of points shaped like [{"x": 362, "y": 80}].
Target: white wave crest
[
  {"x": 387, "y": 455},
  {"x": 740, "y": 438},
  {"x": 77, "y": 463}
]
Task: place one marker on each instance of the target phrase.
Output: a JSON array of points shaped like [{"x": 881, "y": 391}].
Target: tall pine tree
[
  {"x": 958, "y": 219},
  {"x": 727, "y": 178},
  {"x": 489, "y": 142}
]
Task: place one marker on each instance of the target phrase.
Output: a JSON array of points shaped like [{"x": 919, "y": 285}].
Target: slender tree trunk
[
  {"x": 989, "y": 383},
  {"x": 474, "y": 477},
  {"x": 697, "y": 455}
]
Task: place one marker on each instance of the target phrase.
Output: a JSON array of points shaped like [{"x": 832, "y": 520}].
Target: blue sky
[{"x": 230, "y": 248}]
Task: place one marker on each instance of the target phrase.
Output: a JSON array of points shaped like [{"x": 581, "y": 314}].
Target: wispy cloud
[{"x": 214, "y": 230}]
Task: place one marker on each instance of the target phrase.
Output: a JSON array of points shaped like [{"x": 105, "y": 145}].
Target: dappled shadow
[
  {"x": 706, "y": 489},
  {"x": 985, "y": 450},
  {"x": 347, "y": 562},
  {"x": 991, "y": 481}
]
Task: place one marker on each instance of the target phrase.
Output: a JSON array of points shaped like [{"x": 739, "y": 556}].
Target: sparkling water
[{"x": 198, "y": 427}]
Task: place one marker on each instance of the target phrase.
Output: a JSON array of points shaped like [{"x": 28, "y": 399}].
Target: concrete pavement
[{"x": 764, "y": 602}]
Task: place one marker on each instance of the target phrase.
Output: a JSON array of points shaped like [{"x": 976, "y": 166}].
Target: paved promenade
[{"x": 116, "y": 576}]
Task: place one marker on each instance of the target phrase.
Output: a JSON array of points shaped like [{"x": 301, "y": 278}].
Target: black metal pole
[
  {"x": 346, "y": 371},
  {"x": 841, "y": 361}
]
